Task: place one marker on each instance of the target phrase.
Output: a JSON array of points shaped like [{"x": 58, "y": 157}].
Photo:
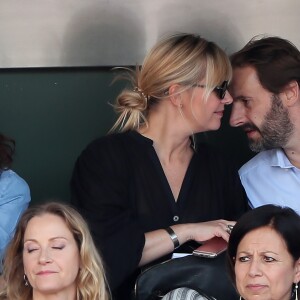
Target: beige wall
[{"x": 47, "y": 33}]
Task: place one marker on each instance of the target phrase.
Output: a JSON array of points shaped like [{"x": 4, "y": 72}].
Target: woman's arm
[
  {"x": 14, "y": 199},
  {"x": 100, "y": 191},
  {"x": 158, "y": 243}
]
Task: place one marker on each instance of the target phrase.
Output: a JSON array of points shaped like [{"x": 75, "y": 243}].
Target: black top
[{"x": 119, "y": 186}]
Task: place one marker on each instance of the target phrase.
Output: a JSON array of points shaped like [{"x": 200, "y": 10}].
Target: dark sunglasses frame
[{"x": 219, "y": 90}]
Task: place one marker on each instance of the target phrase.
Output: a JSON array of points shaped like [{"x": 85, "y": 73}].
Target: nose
[
  {"x": 238, "y": 114},
  {"x": 44, "y": 257},
  {"x": 227, "y": 98},
  {"x": 254, "y": 268}
]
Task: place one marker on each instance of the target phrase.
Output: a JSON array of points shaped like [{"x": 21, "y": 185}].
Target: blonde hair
[
  {"x": 91, "y": 280},
  {"x": 182, "y": 59}
]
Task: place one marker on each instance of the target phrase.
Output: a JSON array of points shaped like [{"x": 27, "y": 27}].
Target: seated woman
[
  {"x": 14, "y": 194},
  {"x": 52, "y": 256},
  {"x": 264, "y": 254},
  {"x": 150, "y": 189}
]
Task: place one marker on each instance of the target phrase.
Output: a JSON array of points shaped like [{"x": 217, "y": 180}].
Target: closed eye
[
  {"x": 58, "y": 247},
  {"x": 32, "y": 250},
  {"x": 246, "y": 102}
]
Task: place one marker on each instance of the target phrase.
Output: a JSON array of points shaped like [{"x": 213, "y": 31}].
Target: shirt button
[{"x": 175, "y": 218}]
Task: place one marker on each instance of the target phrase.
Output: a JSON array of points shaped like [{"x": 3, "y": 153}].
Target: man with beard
[{"x": 265, "y": 90}]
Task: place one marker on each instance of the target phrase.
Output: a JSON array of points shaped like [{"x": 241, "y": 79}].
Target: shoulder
[
  {"x": 11, "y": 178},
  {"x": 116, "y": 144},
  {"x": 11, "y": 183},
  {"x": 105, "y": 146},
  {"x": 114, "y": 141},
  {"x": 112, "y": 152},
  {"x": 108, "y": 140},
  {"x": 259, "y": 161}
]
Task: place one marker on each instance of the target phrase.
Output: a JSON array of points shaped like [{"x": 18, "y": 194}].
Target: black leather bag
[{"x": 198, "y": 273}]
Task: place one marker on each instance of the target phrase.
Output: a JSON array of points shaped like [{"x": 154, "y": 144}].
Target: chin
[
  {"x": 47, "y": 288},
  {"x": 214, "y": 128}
]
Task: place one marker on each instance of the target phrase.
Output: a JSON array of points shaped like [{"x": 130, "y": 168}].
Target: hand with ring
[{"x": 229, "y": 228}]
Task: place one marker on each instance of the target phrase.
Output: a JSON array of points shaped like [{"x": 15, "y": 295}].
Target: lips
[
  {"x": 220, "y": 113},
  {"x": 256, "y": 287},
  {"x": 249, "y": 126},
  {"x": 250, "y": 130},
  {"x": 250, "y": 133},
  {"x": 46, "y": 272}
]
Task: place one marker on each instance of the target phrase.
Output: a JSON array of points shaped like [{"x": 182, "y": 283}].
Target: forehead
[
  {"x": 47, "y": 225},
  {"x": 245, "y": 82},
  {"x": 263, "y": 239}
]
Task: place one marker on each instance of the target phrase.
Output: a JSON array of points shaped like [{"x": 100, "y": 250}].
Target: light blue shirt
[
  {"x": 270, "y": 178},
  {"x": 14, "y": 199}
]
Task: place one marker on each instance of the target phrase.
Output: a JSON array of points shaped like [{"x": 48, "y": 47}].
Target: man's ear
[
  {"x": 291, "y": 93},
  {"x": 174, "y": 93}
]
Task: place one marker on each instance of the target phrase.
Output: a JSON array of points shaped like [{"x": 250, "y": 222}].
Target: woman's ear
[
  {"x": 297, "y": 271},
  {"x": 291, "y": 93},
  {"x": 174, "y": 93}
]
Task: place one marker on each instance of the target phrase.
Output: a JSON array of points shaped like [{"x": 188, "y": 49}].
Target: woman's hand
[
  {"x": 158, "y": 243},
  {"x": 203, "y": 231}
]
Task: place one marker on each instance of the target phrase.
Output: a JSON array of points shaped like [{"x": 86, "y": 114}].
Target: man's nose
[{"x": 238, "y": 114}]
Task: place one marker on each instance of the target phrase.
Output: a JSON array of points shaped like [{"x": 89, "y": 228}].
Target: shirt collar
[{"x": 279, "y": 159}]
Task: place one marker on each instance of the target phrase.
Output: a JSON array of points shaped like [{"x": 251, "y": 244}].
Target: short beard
[{"x": 276, "y": 128}]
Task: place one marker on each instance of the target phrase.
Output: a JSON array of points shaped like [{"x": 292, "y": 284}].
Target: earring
[
  {"x": 296, "y": 291},
  {"x": 25, "y": 280},
  {"x": 180, "y": 105}
]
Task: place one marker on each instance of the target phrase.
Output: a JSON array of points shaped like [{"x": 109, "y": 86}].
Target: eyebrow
[
  {"x": 241, "y": 97},
  {"x": 262, "y": 252},
  {"x": 51, "y": 239}
]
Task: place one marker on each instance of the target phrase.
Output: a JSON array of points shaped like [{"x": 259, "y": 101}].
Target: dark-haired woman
[{"x": 264, "y": 254}]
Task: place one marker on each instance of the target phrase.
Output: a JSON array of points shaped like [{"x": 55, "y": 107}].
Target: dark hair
[
  {"x": 7, "y": 149},
  {"x": 284, "y": 220},
  {"x": 276, "y": 61}
]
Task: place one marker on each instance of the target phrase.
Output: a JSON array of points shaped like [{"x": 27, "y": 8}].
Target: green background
[{"x": 54, "y": 113}]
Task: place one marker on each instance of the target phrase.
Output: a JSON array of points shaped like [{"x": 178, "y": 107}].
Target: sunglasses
[{"x": 219, "y": 90}]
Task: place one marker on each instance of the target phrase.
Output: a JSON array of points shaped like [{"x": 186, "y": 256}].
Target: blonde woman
[
  {"x": 52, "y": 256},
  {"x": 150, "y": 188}
]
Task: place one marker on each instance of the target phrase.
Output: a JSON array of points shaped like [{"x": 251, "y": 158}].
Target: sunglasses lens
[
  {"x": 221, "y": 93},
  {"x": 221, "y": 90}
]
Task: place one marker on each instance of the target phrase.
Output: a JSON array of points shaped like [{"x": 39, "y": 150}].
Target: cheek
[
  {"x": 71, "y": 261},
  {"x": 240, "y": 273},
  {"x": 27, "y": 262},
  {"x": 73, "y": 268},
  {"x": 282, "y": 279},
  {"x": 201, "y": 112}
]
